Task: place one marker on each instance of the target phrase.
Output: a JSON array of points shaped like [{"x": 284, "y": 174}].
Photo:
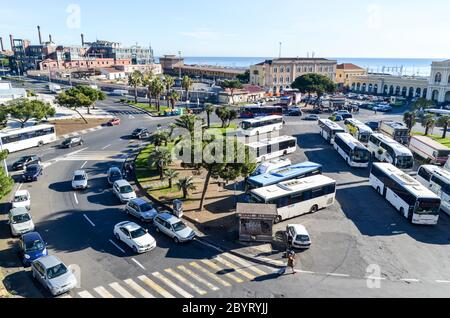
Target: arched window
[
  {"x": 449, "y": 79},
  {"x": 288, "y": 69},
  {"x": 418, "y": 92},
  {"x": 281, "y": 69},
  {"x": 435, "y": 95},
  {"x": 275, "y": 70},
  {"x": 438, "y": 77},
  {"x": 281, "y": 79},
  {"x": 288, "y": 80},
  {"x": 274, "y": 80},
  {"x": 305, "y": 69}
]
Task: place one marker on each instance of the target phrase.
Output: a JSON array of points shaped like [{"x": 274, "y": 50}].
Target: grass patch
[{"x": 439, "y": 139}]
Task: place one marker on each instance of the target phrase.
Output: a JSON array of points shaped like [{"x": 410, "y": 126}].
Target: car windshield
[
  {"x": 79, "y": 177},
  {"x": 302, "y": 238},
  {"x": 137, "y": 131},
  {"x": 32, "y": 169},
  {"x": 138, "y": 233},
  {"x": 22, "y": 160},
  {"x": 20, "y": 198},
  {"x": 115, "y": 174},
  {"x": 126, "y": 189},
  {"x": 56, "y": 271},
  {"x": 179, "y": 226},
  {"x": 146, "y": 207},
  {"x": 22, "y": 218},
  {"x": 67, "y": 141},
  {"x": 34, "y": 246}
]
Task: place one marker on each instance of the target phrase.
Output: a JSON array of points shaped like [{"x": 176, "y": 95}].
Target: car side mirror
[{"x": 146, "y": 231}]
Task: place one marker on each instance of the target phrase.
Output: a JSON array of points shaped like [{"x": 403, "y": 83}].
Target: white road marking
[
  {"x": 210, "y": 245},
  {"x": 337, "y": 275},
  {"x": 172, "y": 285},
  {"x": 117, "y": 246},
  {"x": 106, "y": 147},
  {"x": 234, "y": 267},
  {"x": 65, "y": 296},
  {"x": 219, "y": 269},
  {"x": 85, "y": 294},
  {"x": 245, "y": 264},
  {"x": 305, "y": 272},
  {"x": 84, "y": 165},
  {"x": 194, "y": 287},
  {"x": 76, "y": 199},
  {"x": 138, "y": 264},
  {"x": 212, "y": 275},
  {"x": 197, "y": 278},
  {"x": 121, "y": 290},
  {"x": 138, "y": 289},
  {"x": 375, "y": 278},
  {"x": 147, "y": 281},
  {"x": 443, "y": 281},
  {"x": 410, "y": 280},
  {"x": 20, "y": 187},
  {"x": 103, "y": 292},
  {"x": 87, "y": 219}
]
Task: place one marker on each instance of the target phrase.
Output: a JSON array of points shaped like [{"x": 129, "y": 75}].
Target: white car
[
  {"x": 22, "y": 199},
  {"x": 298, "y": 236},
  {"x": 174, "y": 228},
  {"x": 135, "y": 237},
  {"x": 54, "y": 275},
  {"x": 80, "y": 180},
  {"x": 123, "y": 191},
  {"x": 20, "y": 221},
  {"x": 141, "y": 209}
]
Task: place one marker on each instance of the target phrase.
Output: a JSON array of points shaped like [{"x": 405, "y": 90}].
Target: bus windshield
[
  {"x": 405, "y": 162},
  {"x": 246, "y": 125},
  {"x": 360, "y": 155},
  {"x": 428, "y": 206}
]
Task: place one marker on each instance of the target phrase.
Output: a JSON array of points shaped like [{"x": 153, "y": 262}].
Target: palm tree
[
  {"x": 185, "y": 185},
  {"x": 147, "y": 82},
  {"x": 169, "y": 82},
  {"x": 160, "y": 137},
  {"x": 187, "y": 122},
  {"x": 409, "y": 118},
  {"x": 171, "y": 175},
  {"x": 135, "y": 79},
  {"x": 161, "y": 157},
  {"x": 172, "y": 127},
  {"x": 428, "y": 123},
  {"x": 209, "y": 109},
  {"x": 157, "y": 88},
  {"x": 186, "y": 84},
  {"x": 173, "y": 98},
  {"x": 444, "y": 121}
]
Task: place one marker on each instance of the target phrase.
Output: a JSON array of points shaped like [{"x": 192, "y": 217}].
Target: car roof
[
  {"x": 31, "y": 236},
  {"x": 18, "y": 211},
  {"x": 299, "y": 229},
  {"x": 114, "y": 169},
  {"x": 130, "y": 226},
  {"x": 49, "y": 261},
  {"x": 33, "y": 165},
  {"x": 168, "y": 217},
  {"x": 122, "y": 183},
  {"x": 21, "y": 193},
  {"x": 77, "y": 172},
  {"x": 139, "y": 201}
]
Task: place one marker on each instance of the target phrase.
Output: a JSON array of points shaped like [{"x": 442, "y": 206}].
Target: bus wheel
[
  {"x": 314, "y": 209},
  {"x": 40, "y": 143},
  {"x": 402, "y": 212},
  {"x": 278, "y": 219},
  {"x": 285, "y": 153},
  {"x": 379, "y": 190}
]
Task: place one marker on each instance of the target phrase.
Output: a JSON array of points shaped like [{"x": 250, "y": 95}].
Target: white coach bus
[
  {"x": 388, "y": 150},
  {"x": 263, "y": 125},
  {"x": 354, "y": 153},
  {"x": 24, "y": 138},
  {"x": 329, "y": 129},
  {"x": 273, "y": 148},
  {"x": 297, "y": 197},
  {"x": 437, "y": 180},
  {"x": 359, "y": 130},
  {"x": 414, "y": 201}
]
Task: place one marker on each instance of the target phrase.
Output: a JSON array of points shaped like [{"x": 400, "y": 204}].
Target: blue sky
[{"x": 330, "y": 28}]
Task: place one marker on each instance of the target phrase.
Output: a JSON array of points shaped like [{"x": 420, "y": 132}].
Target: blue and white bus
[{"x": 297, "y": 171}]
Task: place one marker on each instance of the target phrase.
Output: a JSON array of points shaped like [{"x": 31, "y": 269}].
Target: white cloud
[{"x": 374, "y": 18}]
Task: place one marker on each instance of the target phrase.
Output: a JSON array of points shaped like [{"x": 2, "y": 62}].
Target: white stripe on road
[
  {"x": 117, "y": 246},
  {"x": 20, "y": 187},
  {"x": 147, "y": 281},
  {"x": 138, "y": 289},
  {"x": 337, "y": 275},
  {"x": 103, "y": 292},
  {"x": 219, "y": 269},
  {"x": 376, "y": 278},
  {"x": 305, "y": 272},
  {"x": 212, "y": 275},
  {"x": 245, "y": 264},
  {"x": 198, "y": 278},
  {"x": 138, "y": 264},
  {"x": 106, "y": 147},
  {"x": 84, "y": 165},
  {"x": 85, "y": 294},
  {"x": 87, "y": 219},
  {"x": 410, "y": 280},
  {"x": 234, "y": 267},
  {"x": 121, "y": 290},
  {"x": 172, "y": 285},
  {"x": 443, "y": 281},
  {"x": 194, "y": 287},
  {"x": 76, "y": 199}
]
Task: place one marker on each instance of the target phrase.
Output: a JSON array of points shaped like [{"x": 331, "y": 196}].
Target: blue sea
[{"x": 395, "y": 66}]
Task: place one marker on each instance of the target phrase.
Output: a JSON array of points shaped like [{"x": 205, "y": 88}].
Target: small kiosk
[{"x": 256, "y": 222}]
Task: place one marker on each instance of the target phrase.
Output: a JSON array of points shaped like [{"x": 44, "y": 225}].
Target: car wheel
[
  {"x": 117, "y": 237},
  {"x": 379, "y": 190},
  {"x": 40, "y": 143},
  {"x": 135, "y": 249},
  {"x": 278, "y": 219},
  {"x": 314, "y": 209},
  {"x": 157, "y": 229},
  {"x": 33, "y": 274},
  {"x": 176, "y": 240},
  {"x": 142, "y": 219}
]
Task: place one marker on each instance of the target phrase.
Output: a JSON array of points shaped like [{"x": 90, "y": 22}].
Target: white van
[
  {"x": 269, "y": 166},
  {"x": 298, "y": 236}
]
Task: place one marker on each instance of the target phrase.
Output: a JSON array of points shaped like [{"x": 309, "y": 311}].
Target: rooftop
[
  {"x": 349, "y": 66},
  {"x": 264, "y": 209}
]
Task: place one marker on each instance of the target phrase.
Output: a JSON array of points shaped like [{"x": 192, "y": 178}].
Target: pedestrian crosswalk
[
  {"x": 126, "y": 112},
  {"x": 195, "y": 279},
  {"x": 95, "y": 156}
]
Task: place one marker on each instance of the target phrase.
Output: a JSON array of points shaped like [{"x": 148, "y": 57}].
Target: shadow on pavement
[{"x": 22, "y": 284}]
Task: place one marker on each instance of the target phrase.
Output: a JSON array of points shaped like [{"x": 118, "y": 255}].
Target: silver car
[
  {"x": 53, "y": 275},
  {"x": 80, "y": 180},
  {"x": 20, "y": 221},
  {"x": 141, "y": 209},
  {"x": 174, "y": 228}
]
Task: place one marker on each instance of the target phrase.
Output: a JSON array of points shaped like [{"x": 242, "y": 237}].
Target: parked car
[
  {"x": 51, "y": 273},
  {"x": 141, "y": 209},
  {"x": 346, "y": 116},
  {"x": 174, "y": 228},
  {"x": 113, "y": 122},
  {"x": 22, "y": 199},
  {"x": 23, "y": 162},
  {"x": 294, "y": 111},
  {"x": 72, "y": 142},
  {"x": 337, "y": 118},
  {"x": 298, "y": 236},
  {"x": 135, "y": 237},
  {"x": 114, "y": 174},
  {"x": 140, "y": 133},
  {"x": 123, "y": 191},
  {"x": 80, "y": 180},
  {"x": 20, "y": 221},
  {"x": 32, "y": 173},
  {"x": 32, "y": 247},
  {"x": 311, "y": 117}
]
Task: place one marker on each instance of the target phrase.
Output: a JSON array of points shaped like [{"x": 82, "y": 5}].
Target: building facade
[
  {"x": 248, "y": 94},
  {"x": 9, "y": 93},
  {"x": 439, "y": 82},
  {"x": 345, "y": 71},
  {"x": 278, "y": 74},
  {"x": 114, "y": 50}
]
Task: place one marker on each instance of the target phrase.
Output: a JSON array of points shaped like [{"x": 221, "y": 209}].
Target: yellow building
[{"x": 347, "y": 70}]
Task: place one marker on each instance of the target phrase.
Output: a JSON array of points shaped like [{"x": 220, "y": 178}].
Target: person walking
[{"x": 292, "y": 261}]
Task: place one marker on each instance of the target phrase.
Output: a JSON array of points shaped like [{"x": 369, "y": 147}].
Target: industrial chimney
[
  {"x": 82, "y": 39},
  {"x": 1, "y": 44},
  {"x": 11, "y": 40},
  {"x": 39, "y": 34},
  {"x": 50, "y": 38}
]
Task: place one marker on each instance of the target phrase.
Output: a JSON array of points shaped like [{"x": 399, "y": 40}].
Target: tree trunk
[
  {"x": 209, "y": 120},
  {"x": 78, "y": 112},
  {"x": 149, "y": 98},
  {"x": 185, "y": 194},
  {"x": 88, "y": 110},
  {"x": 170, "y": 183},
  {"x": 426, "y": 130},
  {"x": 161, "y": 172},
  {"x": 445, "y": 131},
  {"x": 135, "y": 95},
  {"x": 205, "y": 189}
]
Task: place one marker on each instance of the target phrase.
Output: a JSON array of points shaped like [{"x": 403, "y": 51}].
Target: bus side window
[{"x": 424, "y": 174}]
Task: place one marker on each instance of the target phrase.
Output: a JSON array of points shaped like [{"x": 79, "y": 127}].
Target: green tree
[
  {"x": 428, "y": 122},
  {"x": 232, "y": 86},
  {"x": 160, "y": 137},
  {"x": 244, "y": 78},
  {"x": 209, "y": 109},
  {"x": 93, "y": 94},
  {"x": 75, "y": 99},
  {"x": 172, "y": 127},
  {"x": 22, "y": 110},
  {"x": 226, "y": 115},
  {"x": 186, "y": 84},
  {"x": 161, "y": 157},
  {"x": 135, "y": 80},
  {"x": 157, "y": 88},
  {"x": 147, "y": 82},
  {"x": 6, "y": 183},
  {"x": 3, "y": 116},
  {"x": 169, "y": 81},
  {"x": 171, "y": 175},
  {"x": 422, "y": 103},
  {"x": 173, "y": 97},
  {"x": 314, "y": 83},
  {"x": 444, "y": 122},
  {"x": 186, "y": 184},
  {"x": 409, "y": 118},
  {"x": 188, "y": 122}
]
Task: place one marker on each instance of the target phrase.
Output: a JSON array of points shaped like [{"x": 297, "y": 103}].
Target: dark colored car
[
  {"x": 72, "y": 142},
  {"x": 311, "y": 118},
  {"x": 140, "y": 133},
  {"x": 294, "y": 111},
  {"x": 374, "y": 125},
  {"x": 25, "y": 161},
  {"x": 346, "y": 116},
  {"x": 114, "y": 174},
  {"x": 32, "y": 172},
  {"x": 32, "y": 247}
]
